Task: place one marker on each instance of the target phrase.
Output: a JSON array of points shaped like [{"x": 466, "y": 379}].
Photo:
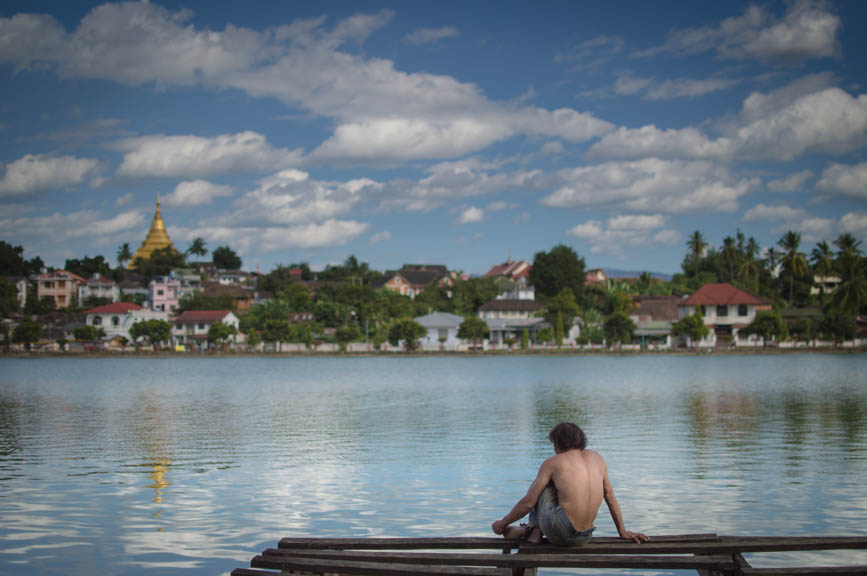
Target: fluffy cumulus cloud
[
  {"x": 469, "y": 215},
  {"x": 774, "y": 213},
  {"x": 196, "y": 193},
  {"x": 808, "y": 30},
  {"x": 855, "y": 223},
  {"x": 36, "y": 173},
  {"x": 650, "y": 184},
  {"x": 812, "y": 228},
  {"x": 84, "y": 223},
  {"x": 431, "y": 35},
  {"x": 849, "y": 180},
  {"x": 190, "y": 156},
  {"x": 625, "y": 231},
  {"x": 781, "y": 125},
  {"x": 791, "y": 183},
  {"x": 379, "y": 112}
]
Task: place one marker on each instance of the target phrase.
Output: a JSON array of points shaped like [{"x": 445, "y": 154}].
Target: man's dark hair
[{"x": 567, "y": 436}]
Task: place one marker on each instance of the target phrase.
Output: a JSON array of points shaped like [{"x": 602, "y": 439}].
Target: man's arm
[
  {"x": 526, "y": 503},
  {"x": 614, "y": 508}
]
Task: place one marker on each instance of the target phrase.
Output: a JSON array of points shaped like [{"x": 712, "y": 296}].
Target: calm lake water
[{"x": 193, "y": 466}]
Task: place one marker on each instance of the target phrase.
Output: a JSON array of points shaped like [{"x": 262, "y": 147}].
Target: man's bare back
[
  {"x": 578, "y": 476},
  {"x": 580, "y": 479}
]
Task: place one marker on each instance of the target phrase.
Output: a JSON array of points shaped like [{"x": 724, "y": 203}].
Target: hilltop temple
[{"x": 157, "y": 239}]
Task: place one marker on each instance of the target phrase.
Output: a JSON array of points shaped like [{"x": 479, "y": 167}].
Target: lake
[{"x": 194, "y": 465}]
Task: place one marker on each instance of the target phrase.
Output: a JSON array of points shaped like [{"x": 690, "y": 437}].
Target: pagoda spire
[{"x": 156, "y": 239}]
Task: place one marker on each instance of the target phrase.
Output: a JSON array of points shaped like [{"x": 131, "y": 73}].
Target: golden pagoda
[{"x": 157, "y": 239}]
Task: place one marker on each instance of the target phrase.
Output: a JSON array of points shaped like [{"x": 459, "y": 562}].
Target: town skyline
[{"x": 431, "y": 133}]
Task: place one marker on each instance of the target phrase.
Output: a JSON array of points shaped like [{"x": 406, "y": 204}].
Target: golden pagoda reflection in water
[{"x": 156, "y": 239}]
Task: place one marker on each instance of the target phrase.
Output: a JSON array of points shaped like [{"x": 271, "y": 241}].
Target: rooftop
[
  {"x": 722, "y": 294},
  {"x": 114, "y": 308}
]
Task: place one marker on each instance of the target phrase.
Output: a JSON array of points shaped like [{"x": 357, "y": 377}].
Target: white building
[
  {"x": 98, "y": 286},
  {"x": 442, "y": 330},
  {"x": 117, "y": 318},
  {"x": 192, "y": 326},
  {"x": 726, "y": 310}
]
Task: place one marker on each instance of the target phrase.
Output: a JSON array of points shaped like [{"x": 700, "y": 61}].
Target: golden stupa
[{"x": 157, "y": 239}]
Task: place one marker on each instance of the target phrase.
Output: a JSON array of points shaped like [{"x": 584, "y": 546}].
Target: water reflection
[{"x": 196, "y": 465}]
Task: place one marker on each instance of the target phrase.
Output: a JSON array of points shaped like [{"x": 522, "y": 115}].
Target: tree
[
  {"x": 87, "y": 267},
  {"x": 197, "y": 301},
  {"x": 474, "y": 329},
  {"x": 226, "y": 259},
  {"x": 8, "y": 298},
  {"x": 277, "y": 330},
  {"x": 838, "y": 325},
  {"x": 558, "y": 269},
  {"x": 346, "y": 334},
  {"x": 197, "y": 247},
  {"x": 823, "y": 264},
  {"x": 692, "y": 326},
  {"x": 619, "y": 327},
  {"x": 92, "y": 334},
  {"x": 545, "y": 335},
  {"x": 124, "y": 254},
  {"x": 769, "y": 325},
  {"x": 27, "y": 332},
  {"x": 407, "y": 331},
  {"x": 793, "y": 261},
  {"x": 12, "y": 262},
  {"x": 803, "y": 328},
  {"x": 730, "y": 255},
  {"x": 697, "y": 246},
  {"x": 561, "y": 308},
  {"x": 155, "y": 331},
  {"x": 850, "y": 296},
  {"x": 525, "y": 339},
  {"x": 848, "y": 244},
  {"x": 219, "y": 332},
  {"x": 160, "y": 263}
]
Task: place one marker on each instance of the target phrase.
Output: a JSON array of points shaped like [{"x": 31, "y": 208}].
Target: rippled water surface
[{"x": 173, "y": 466}]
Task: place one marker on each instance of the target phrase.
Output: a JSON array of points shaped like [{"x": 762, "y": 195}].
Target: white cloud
[
  {"x": 469, "y": 215},
  {"x": 651, "y": 141},
  {"x": 774, "y": 213},
  {"x": 36, "y": 173},
  {"x": 499, "y": 206},
  {"x": 650, "y": 184},
  {"x": 379, "y": 112},
  {"x": 314, "y": 235},
  {"x": 160, "y": 156},
  {"x": 591, "y": 54},
  {"x": 431, "y": 35},
  {"x": 551, "y": 148},
  {"x": 688, "y": 87},
  {"x": 855, "y": 223},
  {"x": 196, "y": 193},
  {"x": 808, "y": 30},
  {"x": 60, "y": 227},
  {"x": 625, "y": 231},
  {"x": 383, "y": 236},
  {"x": 850, "y": 180},
  {"x": 792, "y": 183},
  {"x": 124, "y": 199}
]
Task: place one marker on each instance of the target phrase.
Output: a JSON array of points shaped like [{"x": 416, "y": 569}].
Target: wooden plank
[
  {"x": 806, "y": 571},
  {"x": 294, "y": 563},
  {"x": 276, "y": 559},
  {"x": 724, "y": 546},
  {"x": 793, "y": 543},
  {"x": 251, "y": 572}
]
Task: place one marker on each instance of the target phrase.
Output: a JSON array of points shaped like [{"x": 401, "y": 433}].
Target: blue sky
[{"x": 453, "y": 133}]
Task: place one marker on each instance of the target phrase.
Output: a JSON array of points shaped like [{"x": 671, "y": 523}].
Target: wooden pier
[{"x": 708, "y": 554}]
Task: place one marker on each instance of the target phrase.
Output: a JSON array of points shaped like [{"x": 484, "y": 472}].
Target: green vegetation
[
  {"x": 408, "y": 331},
  {"x": 226, "y": 259},
  {"x": 474, "y": 329},
  {"x": 692, "y": 326},
  {"x": 154, "y": 331}
]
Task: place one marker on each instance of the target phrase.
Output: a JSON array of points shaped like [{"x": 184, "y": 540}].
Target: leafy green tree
[
  {"x": 848, "y": 244},
  {"x": 850, "y": 296},
  {"x": 558, "y": 269},
  {"x": 8, "y": 298},
  {"x": 87, "y": 267},
  {"x": 545, "y": 335},
  {"x": 198, "y": 301},
  {"x": 12, "y": 262},
  {"x": 525, "y": 339},
  {"x": 563, "y": 307},
  {"x": 473, "y": 329},
  {"x": 220, "y": 333},
  {"x": 838, "y": 325},
  {"x": 619, "y": 327},
  {"x": 346, "y": 334},
  {"x": 803, "y": 329},
  {"x": 28, "y": 333},
  {"x": 331, "y": 314},
  {"x": 154, "y": 331},
  {"x": 277, "y": 330},
  {"x": 469, "y": 295},
  {"x": 730, "y": 255},
  {"x": 226, "y": 259},
  {"x": 197, "y": 247},
  {"x": 769, "y": 325},
  {"x": 160, "y": 263},
  {"x": 692, "y": 326},
  {"x": 408, "y": 331},
  {"x": 92, "y": 334},
  {"x": 794, "y": 262},
  {"x": 822, "y": 259},
  {"x": 124, "y": 254}
]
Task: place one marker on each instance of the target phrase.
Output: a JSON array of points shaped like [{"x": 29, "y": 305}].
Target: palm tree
[
  {"x": 793, "y": 261},
  {"x": 730, "y": 254},
  {"x": 851, "y": 295},
  {"x": 847, "y": 244},
  {"x": 697, "y": 245},
  {"x": 124, "y": 254},
  {"x": 197, "y": 247},
  {"x": 823, "y": 264},
  {"x": 748, "y": 269}
]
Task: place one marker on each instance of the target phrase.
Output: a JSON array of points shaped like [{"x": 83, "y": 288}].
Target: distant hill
[{"x": 616, "y": 273}]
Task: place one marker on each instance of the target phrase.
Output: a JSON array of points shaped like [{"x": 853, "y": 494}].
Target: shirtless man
[{"x": 565, "y": 497}]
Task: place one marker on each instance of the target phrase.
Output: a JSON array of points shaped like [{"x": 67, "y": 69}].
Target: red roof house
[
  {"x": 723, "y": 294},
  {"x": 114, "y": 308}
]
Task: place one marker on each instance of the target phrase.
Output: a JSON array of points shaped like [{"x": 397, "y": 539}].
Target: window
[
  {"x": 97, "y": 320},
  {"x": 443, "y": 334},
  {"x": 115, "y": 321},
  {"x": 722, "y": 311},
  {"x": 742, "y": 310},
  {"x": 201, "y": 326},
  {"x": 159, "y": 292},
  {"x": 703, "y": 310}
]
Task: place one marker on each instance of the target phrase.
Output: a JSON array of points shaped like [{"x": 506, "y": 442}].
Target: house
[
  {"x": 164, "y": 293},
  {"x": 190, "y": 279},
  {"x": 442, "y": 330},
  {"x": 502, "y": 329},
  {"x": 134, "y": 290},
  {"x": 192, "y": 326},
  {"x": 726, "y": 310},
  {"x": 510, "y": 269},
  {"x": 229, "y": 277},
  {"x": 513, "y": 280},
  {"x": 60, "y": 285},
  {"x": 117, "y": 318},
  {"x": 21, "y": 285},
  {"x": 654, "y": 317},
  {"x": 413, "y": 279},
  {"x": 595, "y": 276},
  {"x": 300, "y": 317},
  {"x": 824, "y": 284},
  {"x": 98, "y": 286},
  {"x": 509, "y": 309},
  {"x": 243, "y": 297}
]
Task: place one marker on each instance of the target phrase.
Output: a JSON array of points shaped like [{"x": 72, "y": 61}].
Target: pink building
[
  {"x": 164, "y": 293},
  {"x": 60, "y": 285}
]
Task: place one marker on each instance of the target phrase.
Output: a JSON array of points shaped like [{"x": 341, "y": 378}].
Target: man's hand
[
  {"x": 636, "y": 537},
  {"x": 499, "y": 526}
]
